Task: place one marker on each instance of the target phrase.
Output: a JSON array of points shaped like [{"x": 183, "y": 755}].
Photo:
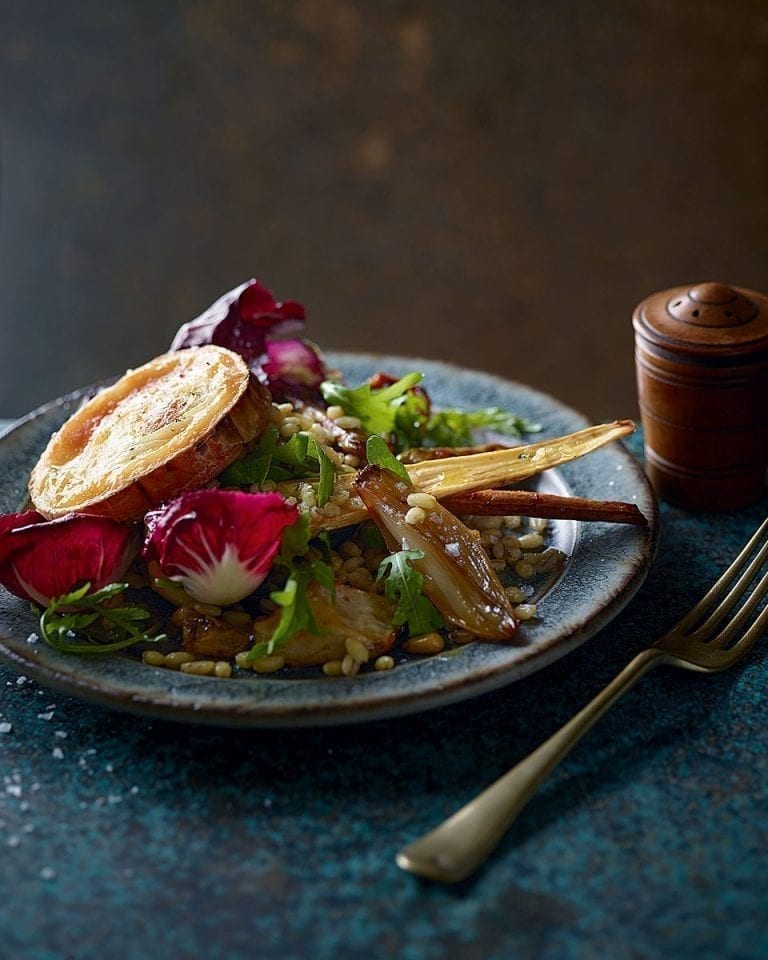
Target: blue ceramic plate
[{"x": 607, "y": 564}]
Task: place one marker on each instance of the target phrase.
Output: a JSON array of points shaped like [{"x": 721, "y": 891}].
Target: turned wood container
[{"x": 701, "y": 355}]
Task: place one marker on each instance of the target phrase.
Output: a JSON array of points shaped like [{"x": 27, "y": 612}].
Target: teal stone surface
[{"x": 129, "y": 837}]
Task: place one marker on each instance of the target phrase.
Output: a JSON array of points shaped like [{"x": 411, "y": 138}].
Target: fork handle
[{"x": 456, "y": 848}]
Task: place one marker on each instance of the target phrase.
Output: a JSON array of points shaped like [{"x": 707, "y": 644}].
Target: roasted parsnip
[{"x": 478, "y": 471}]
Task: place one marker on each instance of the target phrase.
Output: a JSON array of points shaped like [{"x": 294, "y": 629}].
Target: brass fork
[{"x": 457, "y": 847}]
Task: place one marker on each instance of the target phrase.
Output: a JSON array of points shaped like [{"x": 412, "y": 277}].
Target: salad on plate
[{"x": 233, "y": 505}]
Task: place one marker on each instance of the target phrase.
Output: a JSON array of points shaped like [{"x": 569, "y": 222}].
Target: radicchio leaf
[
  {"x": 250, "y": 321},
  {"x": 218, "y": 544},
  {"x": 42, "y": 559},
  {"x": 293, "y": 365},
  {"x": 241, "y": 320}
]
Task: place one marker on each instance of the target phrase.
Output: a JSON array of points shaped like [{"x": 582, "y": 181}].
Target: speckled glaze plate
[{"x": 606, "y": 566}]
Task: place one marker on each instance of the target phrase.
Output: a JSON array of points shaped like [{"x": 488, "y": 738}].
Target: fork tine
[
  {"x": 718, "y": 588},
  {"x": 729, "y": 601},
  {"x": 742, "y": 617},
  {"x": 744, "y": 614},
  {"x": 751, "y": 636}
]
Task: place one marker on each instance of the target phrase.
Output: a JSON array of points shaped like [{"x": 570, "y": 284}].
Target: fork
[{"x": 455, "y": 849}]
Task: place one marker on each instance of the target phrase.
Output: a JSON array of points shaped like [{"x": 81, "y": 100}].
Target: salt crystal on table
[
  {"x": 58, "y": 753},
  {"x": 6, "y": 727}
]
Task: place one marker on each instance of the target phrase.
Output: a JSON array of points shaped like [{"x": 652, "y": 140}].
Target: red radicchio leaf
[
  {"x": 218, "y": 544},
  {"x": 42, "y": 559},
  {"x": 241, "y": 320},
  {"x": 293, "y": 365}
]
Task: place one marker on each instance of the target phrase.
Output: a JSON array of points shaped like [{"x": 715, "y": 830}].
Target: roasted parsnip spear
[
  {"x": 479, "y": 471},
  {"x": 530, "y": 503}
]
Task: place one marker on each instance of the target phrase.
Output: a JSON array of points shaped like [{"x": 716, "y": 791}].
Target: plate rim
[{"x": 190, "y": 705}]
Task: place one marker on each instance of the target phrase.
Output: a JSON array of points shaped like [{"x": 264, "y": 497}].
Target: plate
[{"x": 606, "y": 566}]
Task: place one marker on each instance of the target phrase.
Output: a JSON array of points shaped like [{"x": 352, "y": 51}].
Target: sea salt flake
[
  {"x": 14, "y": 789},
  {"x": 47, "y": 873},
  {"x": 6, "y": 727},
  {"x": 57, "y": 753},
  {"x": 45, "y": 716}
]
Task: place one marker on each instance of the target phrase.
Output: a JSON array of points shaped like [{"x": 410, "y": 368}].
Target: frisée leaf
[
  {"x": 404, "y": 587},
  {"x": 376, "y": 407},
  {"x": 454, "y": 428}
]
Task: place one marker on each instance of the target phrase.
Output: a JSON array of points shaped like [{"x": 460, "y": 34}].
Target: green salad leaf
[
  {"x": 377, "y": 452},
  {"x": 93, "y": 623},
  {"x": 377, "y": 408},
  {"x": 404, "y": 586},
  {"x": 274, "y": 459},
  {"x": 401, "y": 413},
  {"x": 293, "y": 597},
  {"x": 454, "y": 428}
]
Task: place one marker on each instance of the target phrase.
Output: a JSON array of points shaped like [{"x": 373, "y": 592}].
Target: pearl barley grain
[{"x": 415, "y": 516}]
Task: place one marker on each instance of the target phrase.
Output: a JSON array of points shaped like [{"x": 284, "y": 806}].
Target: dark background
[{"x": 492, "y": 183}]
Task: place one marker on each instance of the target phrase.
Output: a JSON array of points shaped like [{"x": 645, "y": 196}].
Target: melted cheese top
[{"x": 142, "y": 422}]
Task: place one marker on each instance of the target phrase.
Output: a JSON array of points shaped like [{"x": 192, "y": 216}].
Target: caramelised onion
[
  {"x": 458, "y": 576},
  {"x": 43, "y": 559}
]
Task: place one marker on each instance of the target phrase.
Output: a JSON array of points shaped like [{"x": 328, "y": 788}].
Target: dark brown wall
[{"x": 492, "y": 183}]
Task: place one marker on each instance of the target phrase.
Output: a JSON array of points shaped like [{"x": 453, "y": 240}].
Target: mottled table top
[{"x": 131, "y": 837}]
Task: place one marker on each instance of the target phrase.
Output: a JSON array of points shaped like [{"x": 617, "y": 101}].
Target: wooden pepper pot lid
[{"x": 713, "y": 322}]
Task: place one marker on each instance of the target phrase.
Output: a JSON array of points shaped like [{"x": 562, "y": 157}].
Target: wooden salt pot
[{"x": 701, "y": 356}]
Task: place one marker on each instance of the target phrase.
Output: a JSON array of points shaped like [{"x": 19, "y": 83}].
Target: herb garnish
[
  {"x": 298, "y": 458},
  {"x": 377, "y": 452},
  {"x": 377, "y": 408},
  {"x": 454, "y": 428},
  {"x": 101, "y": 626},
  {"x": 293, "y": 597},
  {"x": 404, "y": 587}
]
